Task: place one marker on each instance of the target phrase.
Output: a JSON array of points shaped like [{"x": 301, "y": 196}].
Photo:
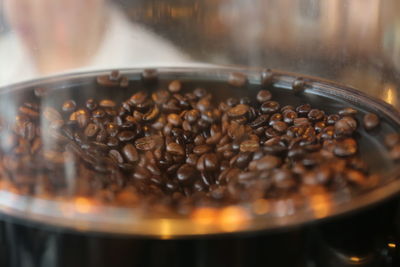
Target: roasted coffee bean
[
  {"x": 175, "y": 86},
  {"x": 237, "y": 79},
  {"x": 51, "y": 114},
  {"x": 267, "y": 77},
  {"x": 148, "y": 143},
  {"x": 175, "y": 149},
  {"x": 69, "y": 106},
  {"x": 345, "y": 126},
  {"x": 279, "y": 126},
  {"x": 315, "y": 115},
  {"x": 126, "y": 136},
  {"x": 270, "y": 107},
  {"x": 91, "y": 104},
  {"x": 249, "y": 146},
  {"x": 371, "y": 121},
  {"x": 346, "y": 147},
  {"x": 261, "y": 120},
  {"x": 116, "y": 156},
  {"x": 265, "y": 163},
  {"x": 332, "y": 119},
  {"x": 264, "y": 96},
  {"x": 298, "y": 85},
  {"x": 238, "y": 111},
  {"x": 174, "y": 119},
  {"x": 348, "y": 112},
  {"x": 289, "y": 116},
  {"x": 107, "y": 103},
  {"x": 186, "y": 173},
  {"x": 395, "y": 152},
  {"x": 149, "y": 76},
  {"x": 283, "y": 179},
  {"x": 201, "y": 149},
  {"x": 303, "y": 110},
  {"x": 392, "y": 139},
  {"x": 91, "y": 130}
]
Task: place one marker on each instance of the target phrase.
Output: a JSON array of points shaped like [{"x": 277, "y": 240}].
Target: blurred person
[{"x": 51, "y": 36}]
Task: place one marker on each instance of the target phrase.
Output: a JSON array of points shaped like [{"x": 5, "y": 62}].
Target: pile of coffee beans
[{"x": 180, "y": 147}]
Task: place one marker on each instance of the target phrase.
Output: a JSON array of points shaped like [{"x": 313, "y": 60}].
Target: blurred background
[{"x": 354, "y": 42}]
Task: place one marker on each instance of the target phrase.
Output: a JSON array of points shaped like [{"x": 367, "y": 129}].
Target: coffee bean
[
  {"x": 148, "y": 143},
  {"x": 51, "y": 114},
  {"x": 91, "y": 104},
  {"x": 371, "y": 121},
  {"x": 348, "y": 112},
  {"x": 238, "y": 111},
  {"x": 126, "y": 136},
  {"x": 332, "y": 119},
  {"x": 345, "y": 126},
  {"x": 289, "y": 116},
  {"x": 116, "y": 156},
  {"x": 186, "y": 173},
  {"x": 260, "y": 121},
  {"x": 149, "y": 75},
  {"x": 267, "y": 77},
  {"x": 270, "y": 107},
  {"x": 175, "y": 86},
  {"x": 201, "y": 149},
  {"x": 237, "y": 79},
  {"x": 283, "y": 179},
  {"x": 69, "y": 106},
  {"x": 303, "y": 110},
  {"x": 107, "y": 103},
  {"x": 264, "y": 96},
  {"x": 91, "y": 130},
  {"x": 249, "y": 146},
  {"x": 395, "y": 152},
  {"x": 298, "y": 85},
  {"x": 315, "y": 115},
  {"x": 175, "y": 149},
  {"x": 345, "y": 148},
  {"x": 265, "y": 163},
  {"x": 279, "y": 126},
  {"x": 392, "y": 139}
]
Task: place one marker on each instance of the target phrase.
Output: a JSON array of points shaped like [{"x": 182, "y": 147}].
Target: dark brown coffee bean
[
  {"x": 298, "y": 85},
  {"x": 392, "y": 139},
  {"x": 395, "y": 152},
  {"x": 126, "y": 136},
  {"x": 283, "y": 179},
  {"x": 237, "y": 79},
  {"x": 371, "y": 121},
  {"x": 91, "y": 130},
  {"x": 279, "y": 126},
  {"x": 348, "y": 112},
  {"x": 238, "y": 111},
  {"x": 116, "y": 156},
  {"x": 249, "y": 146},
  {"x": 149, "y": 76},
  {"x": 261, "y": 120},
  {"x": 107, "y": 103},
  {"x": 289, "y": 116},
  {"x": 175, "y": 149},
  {"x": 41, "y": 92},
  {"x": 201, "y": 149},
  {"x": 138, "y": 98},
  {"x": 124, "y": 82},
  {"x": 345, "y": 126},
  {"x": 91, "y": 104},
  {"x": 186, "y": 173},
  {"x": 346, "y": 147},
  {"x": 270, "y": 107},
  {"x": 175, "y": 86},
  {"x": 207, "y": 162},
  {"x": 303, "y": 110},
  {"x": 332, "y": 119},
  {"x": 315, "y": 115},
  {"x": 82, "y": 117},
  {"x": 105, "y": 80},
  {"x": 267, "y": 77},
  {"x": 151, "y": 115},
  {"x": 69, "y": 106},
  {"x": 263, "y": 96},
  {"x": 148, "y": 143},
  {"x": 51, "y": 114},
  {"x": 265, "y": 163}
]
